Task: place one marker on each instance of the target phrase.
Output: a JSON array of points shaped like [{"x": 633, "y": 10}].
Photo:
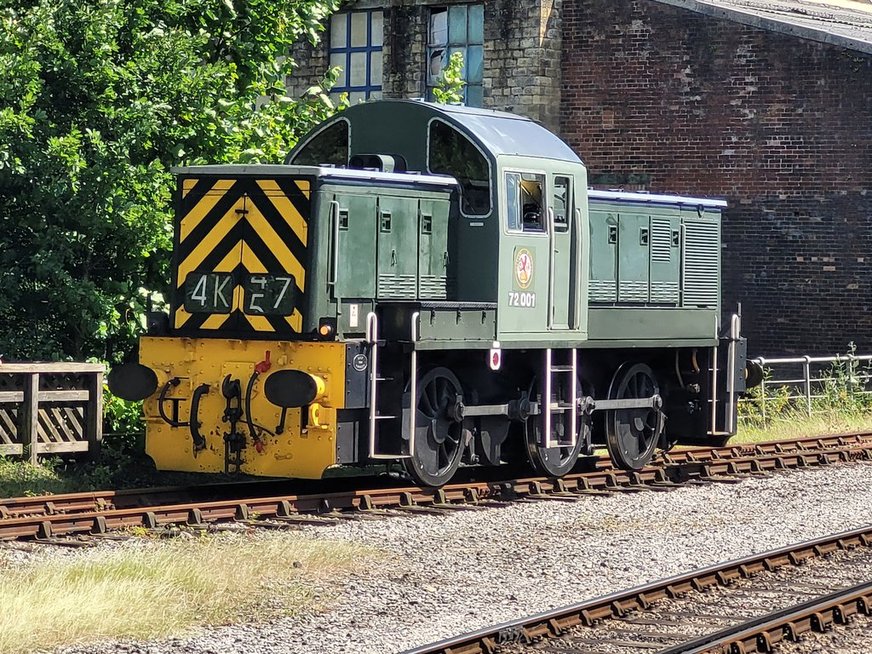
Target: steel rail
[
  {"x": 326, "y": 507},
  {"x": 719, "y": 457},
  {"x": 556, "y": 622},
  {"x": 763, "y": 633}
]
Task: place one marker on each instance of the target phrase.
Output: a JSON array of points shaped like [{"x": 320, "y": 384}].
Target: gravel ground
[
  {"x": 675, "y": 622},
  {"x": 444, "y": 575}
]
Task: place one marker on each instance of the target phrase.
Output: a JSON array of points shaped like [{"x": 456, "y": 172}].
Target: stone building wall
[
  {"x": 522, "y": 53},
  {"x": 666, "y": 100}
]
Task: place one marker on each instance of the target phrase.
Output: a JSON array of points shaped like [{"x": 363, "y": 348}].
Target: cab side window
[
  {"x": 562, "y": 203},
  {"x": 524, "y": 195}
]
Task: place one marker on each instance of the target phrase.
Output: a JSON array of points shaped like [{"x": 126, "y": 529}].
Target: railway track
[
  {"x": 67, "y": 519},
  {"x": 738, "y": 607}
]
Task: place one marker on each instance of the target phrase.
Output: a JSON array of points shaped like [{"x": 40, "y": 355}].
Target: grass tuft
[{"x": 160, "y": 589}]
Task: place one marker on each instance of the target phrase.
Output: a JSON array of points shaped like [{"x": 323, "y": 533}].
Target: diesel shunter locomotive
[{"x": 434, "y": 285}]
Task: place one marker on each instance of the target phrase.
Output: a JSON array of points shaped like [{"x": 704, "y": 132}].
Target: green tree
[{"x": 98, "y": 99}]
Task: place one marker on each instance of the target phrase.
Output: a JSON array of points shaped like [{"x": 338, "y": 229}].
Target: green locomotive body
[{"x": 437, "y": 285}]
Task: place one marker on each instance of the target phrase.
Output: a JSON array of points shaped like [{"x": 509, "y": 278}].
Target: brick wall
[
  {"x": 666, "y": 100},
  {"x": 521, "y": 54},
  {"x": 312, "y": 62}
]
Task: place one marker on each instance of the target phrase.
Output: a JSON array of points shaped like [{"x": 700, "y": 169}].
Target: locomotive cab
[{"x": 433, "y": 285}]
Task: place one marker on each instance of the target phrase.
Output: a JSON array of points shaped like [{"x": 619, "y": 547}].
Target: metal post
[
  {"x": 372, "y": 339},
  {"x": 546, "y": 401},
  {"x": 807, "y": 369},
  {"x": 762, "y": 362},
  {"x": 413, "y": 384},
  {"x": 573, "y": 402},
  {"x": 735, "y": 332},
  {"x": 714, "y": 400},
  {"x": 852, "y": 362}
]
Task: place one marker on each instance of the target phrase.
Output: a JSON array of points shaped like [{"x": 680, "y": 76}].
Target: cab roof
[{"x": 402, "y": 127}]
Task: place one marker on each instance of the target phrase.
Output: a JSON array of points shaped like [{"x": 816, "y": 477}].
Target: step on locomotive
[{"x": 433, "y": 285}]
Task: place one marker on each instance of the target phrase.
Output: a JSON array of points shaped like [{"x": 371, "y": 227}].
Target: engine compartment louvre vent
[
  {"x": 701, "y": 264},
  {"x": 661, "y": 240}
]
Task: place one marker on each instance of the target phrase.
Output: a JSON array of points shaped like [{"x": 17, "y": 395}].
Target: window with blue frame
[
  {"x": 458, "y": 28},
  {"x": 356, "y": 39}
]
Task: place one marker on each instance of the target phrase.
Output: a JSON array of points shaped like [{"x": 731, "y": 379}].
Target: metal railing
[{"x": 805, "y": 381}]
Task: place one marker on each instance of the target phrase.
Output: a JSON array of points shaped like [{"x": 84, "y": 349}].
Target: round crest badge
[
  {"x": 523, "y": 267},
  {"x": 359, "y": 362}
]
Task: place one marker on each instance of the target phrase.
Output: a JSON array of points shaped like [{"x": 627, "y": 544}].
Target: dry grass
[
  {"x": 158, "y": 589},
  {"x": 802, "y": 426}
]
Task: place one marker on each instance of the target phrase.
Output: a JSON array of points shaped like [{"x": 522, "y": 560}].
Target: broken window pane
[
  {"x": 438, "y": 27},
  {"x": 436, "y": 64},
  {"x": 461, "y": 27}
]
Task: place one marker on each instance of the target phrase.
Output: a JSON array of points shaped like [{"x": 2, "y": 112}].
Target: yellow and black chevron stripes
[{"x": 242, "y": 226}]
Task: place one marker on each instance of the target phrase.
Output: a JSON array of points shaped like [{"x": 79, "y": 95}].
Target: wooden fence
[{"x": 50, "y": 408}]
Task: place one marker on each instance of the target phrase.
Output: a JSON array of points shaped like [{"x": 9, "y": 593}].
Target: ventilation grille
[
  {"x": 397, "y": 286},
  {"x": 661, "y": 240},
  {"x": 664, "y": 292},
  {"x": 700, "y": 269},
  {"x": 633, "y": 291},
  {"x": 436, "y": 287},
  {"x": 603, "y": 290}
]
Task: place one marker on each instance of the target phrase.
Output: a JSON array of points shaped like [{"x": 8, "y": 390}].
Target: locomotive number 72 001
[{"x": 524, "y": 300}]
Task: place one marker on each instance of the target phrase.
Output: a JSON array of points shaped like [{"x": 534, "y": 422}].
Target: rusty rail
[
  {"x": 763, "y": 633},
  {"x": 94, "y": 513},
  {"x": 720, "y": 460},
  {"x": 552, "y": 624}
]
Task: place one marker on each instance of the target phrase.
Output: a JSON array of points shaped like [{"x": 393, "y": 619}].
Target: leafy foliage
[
  {"x": 98, "y": 99},
  {"x": 449, "y": 89}
]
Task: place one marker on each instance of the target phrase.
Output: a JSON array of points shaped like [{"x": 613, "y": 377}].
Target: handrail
[{"x": 805, "y": 377}]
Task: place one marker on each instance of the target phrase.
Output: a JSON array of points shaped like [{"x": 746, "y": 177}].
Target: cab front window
[
  {"x": 451, "y": 153},
  {"x": 525, "y": 208}
]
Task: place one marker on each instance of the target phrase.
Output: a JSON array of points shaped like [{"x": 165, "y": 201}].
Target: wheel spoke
[
  {"x": 632, "y": 433},
  {"x": 433, "y": 396},
  {"x": 427, "y": 406},
  {"x": 438, "y": 439}
]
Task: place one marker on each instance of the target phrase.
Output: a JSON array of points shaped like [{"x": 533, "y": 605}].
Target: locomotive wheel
[
  {"x": 632, "y": 434},
  {"x": 554, "y": 461},
  {"x": 440, "y": 439}
]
